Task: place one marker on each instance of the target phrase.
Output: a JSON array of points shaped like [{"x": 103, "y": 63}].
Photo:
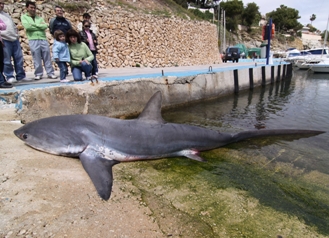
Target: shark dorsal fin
[{"x": 152, "y": 110}]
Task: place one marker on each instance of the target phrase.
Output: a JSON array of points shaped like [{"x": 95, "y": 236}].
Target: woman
[
  {"x": 3, "y": 82},
  {"x": 81, "y": 56},
  {"x": 90, "y": 39}
]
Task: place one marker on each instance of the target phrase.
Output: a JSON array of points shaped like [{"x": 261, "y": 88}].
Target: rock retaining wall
[{"x": 130, "y": 39}]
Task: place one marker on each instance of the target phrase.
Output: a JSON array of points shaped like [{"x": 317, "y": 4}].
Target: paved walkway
[{"x": 119, "y": 74}]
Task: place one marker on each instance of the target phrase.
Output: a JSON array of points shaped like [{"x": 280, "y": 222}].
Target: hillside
[
  {"x": 167, "y": 7},
  {"x": 145, "y": 4},
  {"x": 254, "y": 39},
  {"x": 250, "y": 39}
]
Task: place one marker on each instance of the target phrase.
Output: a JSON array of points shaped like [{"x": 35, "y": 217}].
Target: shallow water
[
  {"x": 297, "y": 103},
  {"x": 255, "y": 188}
]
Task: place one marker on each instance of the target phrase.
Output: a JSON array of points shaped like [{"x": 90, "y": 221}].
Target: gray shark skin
[{"x": 101, "y": 142}]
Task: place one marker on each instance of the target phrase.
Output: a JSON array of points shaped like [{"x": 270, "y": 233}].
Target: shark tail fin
[{"x": 263, "y": 133}]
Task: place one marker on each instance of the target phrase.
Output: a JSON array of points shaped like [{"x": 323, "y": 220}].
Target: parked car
[{"x": 232, "y": 53}]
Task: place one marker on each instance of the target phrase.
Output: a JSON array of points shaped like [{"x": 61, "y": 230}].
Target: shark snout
[
  {"x": 16, "y": 132},
  {"x": 20, "y": 134}
]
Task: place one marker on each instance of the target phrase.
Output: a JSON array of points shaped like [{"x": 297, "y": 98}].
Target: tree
[
  {"x": 285, "y": 18},
  {"x": 199, "y": 3},
  {"x": 312, "y": 28},
  {"x": 205, "y": 16},
  {"x": 233, "y": 10},
  {"x": 312, "y": 18},
  {"x": 250, "y": 14}
]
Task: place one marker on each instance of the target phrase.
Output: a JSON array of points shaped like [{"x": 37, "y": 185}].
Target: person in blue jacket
[{"x": 61, "y": 54}]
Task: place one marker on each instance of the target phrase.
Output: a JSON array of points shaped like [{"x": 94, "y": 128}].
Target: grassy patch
[
  {"x": 126, "y": 5},
  {"x": 169, "y": 8},
  {"x": 73, "y": 5},
  {"x": 232, "y": 195},
  {"x": 158, "y": 12}
]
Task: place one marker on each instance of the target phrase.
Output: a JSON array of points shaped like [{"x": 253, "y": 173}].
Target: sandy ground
[{"x": 43, "y": 195}]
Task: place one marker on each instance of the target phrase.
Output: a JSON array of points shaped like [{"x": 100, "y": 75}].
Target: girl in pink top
[{"x": 88, "y": 37}]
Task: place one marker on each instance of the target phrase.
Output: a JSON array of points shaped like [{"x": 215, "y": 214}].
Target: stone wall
[{"x": 127, "y": 39}]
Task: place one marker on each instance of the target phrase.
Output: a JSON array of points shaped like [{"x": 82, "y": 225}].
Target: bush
[
  {"x": 205, "y": 16},
  {"x": 74, "y": 5}
]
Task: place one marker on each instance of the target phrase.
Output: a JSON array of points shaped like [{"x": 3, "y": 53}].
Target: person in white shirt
[
  {"x": 11, "y": 50},
  {"x": 3, "y": 82}
]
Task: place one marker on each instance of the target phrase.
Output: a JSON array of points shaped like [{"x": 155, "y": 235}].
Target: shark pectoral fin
[
  {"x": 196, "y": 157},
  {"x": 192, "y": 154},
  {"x": 100, "y": 172}
]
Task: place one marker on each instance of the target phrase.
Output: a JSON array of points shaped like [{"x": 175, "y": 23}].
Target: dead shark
[{"x": 101, "y": 142}]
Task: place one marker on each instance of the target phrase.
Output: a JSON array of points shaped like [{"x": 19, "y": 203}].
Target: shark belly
[{"x": 109, "y": 153}]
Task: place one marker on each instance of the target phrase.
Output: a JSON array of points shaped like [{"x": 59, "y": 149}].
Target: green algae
[{"x": 233, "y": 195}]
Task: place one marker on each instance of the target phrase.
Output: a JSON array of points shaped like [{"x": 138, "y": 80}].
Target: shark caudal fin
[
  {"x": 99, "y": 171},
  {"x": 263, "y": 133},
  {"x": 152, "y": 110}
]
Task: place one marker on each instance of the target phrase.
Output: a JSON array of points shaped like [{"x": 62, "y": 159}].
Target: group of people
[{"x": 76, "y": 48}]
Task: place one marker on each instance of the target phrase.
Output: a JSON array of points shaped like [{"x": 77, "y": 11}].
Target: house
[{"x": 310, "y": 39}]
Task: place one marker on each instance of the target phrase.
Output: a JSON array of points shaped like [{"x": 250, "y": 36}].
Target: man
[
  {"x": 3, "y": 82},
  {"x": 93, "y": 26},
  {"x": 59, "y": 22},
  {"x": 35, "y": 27},
  {"x": 12, "y": 49}
]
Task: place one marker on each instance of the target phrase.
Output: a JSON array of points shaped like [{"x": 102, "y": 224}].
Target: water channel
[
  {"x": 272, "y": 187},
  {"x": 300, "y": 103}
]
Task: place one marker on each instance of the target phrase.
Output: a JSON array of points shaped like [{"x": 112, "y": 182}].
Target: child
[
  {"x": 61, "y": 54},
  {"x": 90, "y": 39}
]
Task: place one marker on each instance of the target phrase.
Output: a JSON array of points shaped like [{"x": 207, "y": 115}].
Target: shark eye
[{"x": 24, "y": 136}]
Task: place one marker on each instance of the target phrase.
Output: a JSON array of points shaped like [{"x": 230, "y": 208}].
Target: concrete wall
[
  {"x": 127, "y": 98},
  {"x": 311, "y": 36}
]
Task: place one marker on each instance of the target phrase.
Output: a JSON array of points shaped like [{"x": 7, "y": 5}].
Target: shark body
[{"x": 101, "y": 142}]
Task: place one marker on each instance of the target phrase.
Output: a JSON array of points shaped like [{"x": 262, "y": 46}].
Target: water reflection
[{"x": 299, "y": 103}]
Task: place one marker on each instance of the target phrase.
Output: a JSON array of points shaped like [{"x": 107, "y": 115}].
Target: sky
[{"x": 305, "y": 8}]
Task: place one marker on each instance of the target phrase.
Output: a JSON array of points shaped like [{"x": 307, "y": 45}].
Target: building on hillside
[
  {"x": 262, "y": 21},
  {"x": 310, "y": 39}
]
